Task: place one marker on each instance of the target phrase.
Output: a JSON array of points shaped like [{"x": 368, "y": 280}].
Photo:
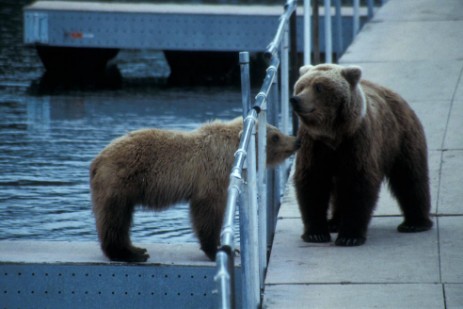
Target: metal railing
[
  {"x": 257, "y": 214},
  {"x": 309, "y": 25},
  {"x": 254, "y": 223}
]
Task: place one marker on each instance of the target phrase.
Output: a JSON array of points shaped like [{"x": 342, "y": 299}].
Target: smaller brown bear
[
  {"x": 355, "y": 133},
  {"x": 158, "y": 168}
]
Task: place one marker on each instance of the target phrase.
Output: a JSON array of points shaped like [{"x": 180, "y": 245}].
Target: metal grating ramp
[{"x": 42, "y": 275}]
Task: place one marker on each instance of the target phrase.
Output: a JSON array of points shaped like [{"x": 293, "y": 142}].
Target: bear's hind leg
[
  {"x": 409, "y": 183},
  {"x": 207, "y": 217},
  {"x": 113, "y": 221}
]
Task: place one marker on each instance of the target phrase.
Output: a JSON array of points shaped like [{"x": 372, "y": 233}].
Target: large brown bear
[
  {"x": 354, "y": 133},
  {"x": 157, "y": 168}
]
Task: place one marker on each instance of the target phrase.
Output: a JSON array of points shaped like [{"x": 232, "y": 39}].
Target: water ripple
[{"x": 48, "y": 141}]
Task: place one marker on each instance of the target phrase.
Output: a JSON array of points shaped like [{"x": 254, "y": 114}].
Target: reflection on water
[{"x": 48, "y": 141}]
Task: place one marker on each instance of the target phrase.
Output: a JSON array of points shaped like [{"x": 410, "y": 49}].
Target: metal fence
[
  {"x": 257, "y": 215},
  {"x": 253, "y": 210}
]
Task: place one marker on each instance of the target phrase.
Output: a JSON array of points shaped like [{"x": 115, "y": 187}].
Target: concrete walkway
[{"x": 414, "y": 47}]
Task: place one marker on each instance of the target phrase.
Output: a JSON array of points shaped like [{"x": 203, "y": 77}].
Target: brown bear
[
  {"x": 158, "y": 168},
  {"x": 354, "y": 133}
]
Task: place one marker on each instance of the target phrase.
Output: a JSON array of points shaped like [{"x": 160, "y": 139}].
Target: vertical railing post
[
  {"x": 294, "y": 65},
  {"x": 284, "y": 92},
  {"x": 250, "y": 284},
  {"x": 371, "y": 9},
  {"x": 307, "y": 32},
  {"x": 356, "y": 17},
  {"x": 245, "y": 83},
  {"x": 262, "y": 188},
  {"x": 277, "y": 170},
  {"x": 248, "y": 206},
  {"x": 284, "y": 76},
  {"x": 328, "y": 34},
  {"x": 247, "y": 284},
  {"x": 339, "y": 34},
  {"x": 294, "y": 69},
  {"x": 270, "y": 175},
  {"x": 316, "y": 32},
  {"x": 251, "y": 229}
]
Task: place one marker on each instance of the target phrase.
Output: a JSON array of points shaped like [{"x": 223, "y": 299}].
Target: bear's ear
[
  {"x": 352, "y": 74},
  {"x": 304, "y": 69}
]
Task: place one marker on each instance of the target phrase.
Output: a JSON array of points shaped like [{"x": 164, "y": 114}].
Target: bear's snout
[
  {"x": 299, "y": 107},
  {"x": 295, "y": 101}
]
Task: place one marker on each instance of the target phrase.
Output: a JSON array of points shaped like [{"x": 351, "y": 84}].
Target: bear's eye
[
  {"x": 318, "y": 88},
  {"x": 275, "y": 138}
]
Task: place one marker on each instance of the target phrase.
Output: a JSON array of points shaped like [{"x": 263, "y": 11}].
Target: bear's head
[
  {"x": 279, "y": 146},
  {"x": 329, "y": 101}
]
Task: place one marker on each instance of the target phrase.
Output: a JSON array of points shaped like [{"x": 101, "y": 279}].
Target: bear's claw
[
  {"x": 350, "y": 241},
  {"x": 316, "y": 237},
  {"x": 138, "y": 250}
]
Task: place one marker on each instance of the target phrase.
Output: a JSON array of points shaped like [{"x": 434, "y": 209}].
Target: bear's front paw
[
  {"x": 405, "y": 227},
  {"x": 129, "y": 255},
  {"x": 345, "y": 241},
  {"x": 316, "y": 237}
]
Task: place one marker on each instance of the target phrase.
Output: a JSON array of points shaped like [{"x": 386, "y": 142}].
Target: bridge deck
[{"x": 415, "y": 48}]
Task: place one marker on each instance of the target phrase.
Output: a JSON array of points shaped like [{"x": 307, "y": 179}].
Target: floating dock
[
  {"x": 57, "y": 274},
  {"x": 150, "y": 26},
  {"x": 191, "y": 27},
  {"x": 200, "y": 41}
]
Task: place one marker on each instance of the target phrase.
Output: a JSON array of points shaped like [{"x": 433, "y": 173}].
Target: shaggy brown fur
[
  {"x": 354, "y": 134},
  {"x": 156, "y": 168}
]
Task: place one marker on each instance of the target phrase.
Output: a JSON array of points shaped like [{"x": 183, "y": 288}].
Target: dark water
[{"x": 47, "y": 141}]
